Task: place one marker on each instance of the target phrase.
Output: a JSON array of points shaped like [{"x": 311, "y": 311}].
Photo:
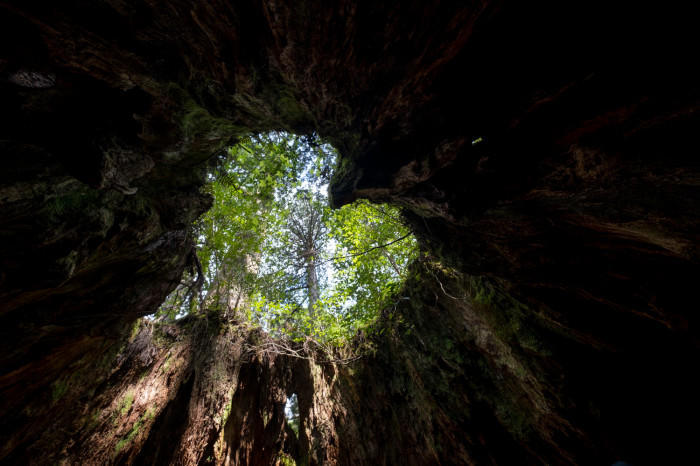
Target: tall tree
[
  {"x": 271, "y": 247},
  {"x": 308, "y": 234}
]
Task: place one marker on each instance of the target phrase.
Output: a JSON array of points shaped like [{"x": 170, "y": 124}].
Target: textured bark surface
[
  {"x": 546, "y": 152},
  {"x": 197, "y": 392}
]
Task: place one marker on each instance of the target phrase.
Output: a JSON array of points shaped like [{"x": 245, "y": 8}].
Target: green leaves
[
  {"x": 273, "y": 252},
  {"x": 370, "y": 268}
]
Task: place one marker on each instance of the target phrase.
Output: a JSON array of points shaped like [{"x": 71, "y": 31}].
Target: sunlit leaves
[
  {"x": 270, "y": 224},
  {"x": 370, "y": 261}
]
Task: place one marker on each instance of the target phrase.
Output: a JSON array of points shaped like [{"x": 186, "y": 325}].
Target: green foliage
[
  {"x": 230, "y": 235},
  {"x": 272, "y": 252},
  {"x": 368, "y": 274}
]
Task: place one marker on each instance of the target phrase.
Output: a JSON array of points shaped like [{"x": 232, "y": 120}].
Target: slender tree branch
[{"x": 355, "y": 254}]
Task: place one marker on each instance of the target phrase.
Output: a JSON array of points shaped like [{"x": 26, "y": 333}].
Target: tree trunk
[
  {"x": 393, "y": 263},
  {"x": 312, "y": 286},
  {"x": 226, "y": 291}
]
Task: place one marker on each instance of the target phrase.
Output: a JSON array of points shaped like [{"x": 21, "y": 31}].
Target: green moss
[
  {"x": 166, "y": 365},
  {"x": 515, "y": 419},
  {"x": 150, "y": 413},
  {"x": 511, "y": 320},
  {"x": 161, "y": 338},
  {"x": 126, "y": 403},
  {"x": 91, "y": 421},
  {"x": 135, "y": 330},
  {"x": 138, "y": 205},
  {"x": 288, "y": 107},
  {"x": 227, "y": 411},
  {"x": 129, "y": 437},
  {"x": 73, "y": 202},
  {"x": 285, "y": 460},
  {"x": 483, "y": 293},
  {"x": 147, "y": 416},
  {"x": 197, "y": 122},
  {"x": 201, "y": 127},
  {"x": 58, "y": 389},
  {"x": 120, "y": 445}
]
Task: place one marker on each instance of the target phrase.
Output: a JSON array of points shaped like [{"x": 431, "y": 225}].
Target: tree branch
[{"x": 348, "y": 256}]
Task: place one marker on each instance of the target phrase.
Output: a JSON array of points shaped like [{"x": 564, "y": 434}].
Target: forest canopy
[{"x": 271, "y": 251}]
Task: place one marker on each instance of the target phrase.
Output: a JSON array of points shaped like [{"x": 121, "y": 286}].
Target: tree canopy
[{"x": 271, "y": 251}]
